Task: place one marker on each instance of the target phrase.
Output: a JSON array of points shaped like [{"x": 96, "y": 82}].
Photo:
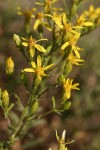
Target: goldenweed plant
[{"x": 49, "y": 44}]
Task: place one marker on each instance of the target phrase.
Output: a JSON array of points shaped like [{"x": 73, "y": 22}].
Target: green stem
[
  {"x": 46, "y": 90},
  {"x": 47, "y": 113},
  {"x": 13, "y": 137},
  {"x": 66, "y": 7}
]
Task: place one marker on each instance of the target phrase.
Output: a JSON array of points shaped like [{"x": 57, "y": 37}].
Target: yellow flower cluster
[{"x": 65, "y": 33}]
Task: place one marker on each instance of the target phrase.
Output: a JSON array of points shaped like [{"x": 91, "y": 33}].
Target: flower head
[
  {"x": 28, "y": 14},
  {"x": 74, "y": 60},
  {"x": 38, "y": 69},
  {"x": 93, "y": 14},
  {"x": 68, "y": 86},
  {"x": 31, "y": 43},
  {"x": 82, "y": 21},
  {"x": 40, "y": 22},
  {"x": 72, "y": 42},
  {"x": 47, "y": 5}
]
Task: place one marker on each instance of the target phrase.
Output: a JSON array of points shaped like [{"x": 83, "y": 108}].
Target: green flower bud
[
  {"x": 68, "y": 68},
  {"x": 34, "y": 107},
  {"x": 67, "y": 105},
  {"x": 5, "y": 98},
  {"x": 60, "y": 79},
  {"x": 17, "y": 40},
  {"x": 9, "y": 66},
  {"x": 74, "y": 9}
]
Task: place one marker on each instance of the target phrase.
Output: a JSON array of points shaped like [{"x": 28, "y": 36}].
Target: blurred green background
[{"x": 82, "y": 121}]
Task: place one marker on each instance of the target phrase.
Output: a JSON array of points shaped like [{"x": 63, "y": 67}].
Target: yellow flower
[
  {"x": 38, "y": 69},
  {"x": 41, "y": 22},
  {"x": 67, "y": 86},
  {"x": 9, "y": 66},
  {"x": 82, "y": 21},
  {"x": 47, "y": 5},
  {"x": 63, "y": 23},
  {"x": 74, "y": 60},
  {"x": 72, "y": 42},
  {"x": 92, "y": 13},
  {"x": 57, "y": 18},
  {"x": 31, "y": 43},
  {"x": 28, "y": 14}
]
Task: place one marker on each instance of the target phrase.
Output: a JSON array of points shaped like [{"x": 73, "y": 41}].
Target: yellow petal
[
  {"x": 41, "y": 40},
  {"x": 39, "y": 3},
  {"x": 19, "y": 13},
  {"x": 39, "y": 61},
  {"x": 29, "y": 70},
  {"x": 64, "y": 45},
  {"x": 91, "y": 9},
  {"x": 33, "y": 64},
  {"x": 64, "y": 18},
  {"x": 24, "y": 39},
  {"x": 32, "y": 52},
  {"x": 68, "y": 93},
  {"x": 47, "y": 26},
  {"x": 87, "y": 24},
  {"x": 48, "y": 67},
  {"x": 36, "y": 24},
  {"x": 58, "y": 22},
  {"x": 75, "y": 49},
  {"x": 40, "y": 48},
  {"x": 25, "y": 44}
]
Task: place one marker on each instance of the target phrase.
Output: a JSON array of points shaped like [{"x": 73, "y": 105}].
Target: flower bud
[
  {"x": 34, "y": 107},
  {"x": 60, "y": 79},
  {"x": 9, "y": 66},
  {"x": 5, "y": 98},
  {"x": 17, "y": 40}
]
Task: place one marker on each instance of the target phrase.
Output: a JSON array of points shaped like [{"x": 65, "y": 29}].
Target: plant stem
[{"x": 66, "y": 7}]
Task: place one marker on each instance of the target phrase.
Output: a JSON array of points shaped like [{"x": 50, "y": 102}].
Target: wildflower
[
  {"x": 57, "y": 18},
  {"x": 92, "y": 13},
  {"x": 38, "y": 69},
  {"x": 61, "y": 141},
  {"x": 81, "y": 21},
  {"x": 63, "y": 23},
  {"x": 5, "y": 99},
  {"x": 31, "y": 43},
  {"x": 9, "y": 66},
  {"x": 28, "y": 14},
  {"x": 72, "y": 42},
  {"x": 47, "y": 5},
  {"x": 74, "y": 60},
  {"x": 67, "y": 86},
  {"x": 40, "y": 22}
]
